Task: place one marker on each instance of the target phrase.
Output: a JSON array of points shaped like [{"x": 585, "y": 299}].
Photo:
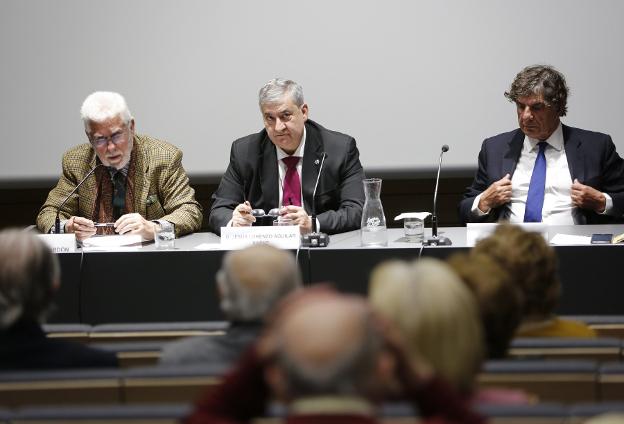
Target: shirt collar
[
  {"x": 299, "y": 152},
  {"x": 555, "y": 140}
]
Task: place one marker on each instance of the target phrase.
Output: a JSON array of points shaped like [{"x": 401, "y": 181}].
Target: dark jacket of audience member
[
  {"x": 29, "y": 277},
  {"x": 250, "y": 282}
]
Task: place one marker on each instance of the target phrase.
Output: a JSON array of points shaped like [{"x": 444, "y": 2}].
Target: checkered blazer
[{"x": 162, "y": 189}]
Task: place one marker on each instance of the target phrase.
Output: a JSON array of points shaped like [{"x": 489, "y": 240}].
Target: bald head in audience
[
  {"x": 252, "y": 280},
  {"x": 327, "y": 345}
]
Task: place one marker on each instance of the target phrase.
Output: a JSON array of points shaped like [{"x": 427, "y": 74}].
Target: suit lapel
[
  {"x": 141, "y": 183},
  {"x": 310, "y": 166},
  {"x": 572, "y": 147},
  {"x": 510, "y": 160},
  {"x": 269, "y": 177}
]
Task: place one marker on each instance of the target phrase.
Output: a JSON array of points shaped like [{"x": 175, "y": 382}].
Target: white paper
[
  {"x": 112, "y": 242},
  {"x": 417, "y": 215},
  {"x": 208, "y": 246},
  {"x": 570, "y": 239}
]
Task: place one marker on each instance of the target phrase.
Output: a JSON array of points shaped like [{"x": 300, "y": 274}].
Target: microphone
[
  {"x": 436, "y": 240},
  {"x": 57, "y": 220},
  {"x": 316, "y": 239}
]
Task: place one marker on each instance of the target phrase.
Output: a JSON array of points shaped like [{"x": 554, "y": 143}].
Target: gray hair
[
  {"x": 28, "y": 272},
  {"x": 544, "y": 80},
  {"x": 349, "y": 373},
  {"x": 103, "y": 105},
  {"x": 251, "y": 289},
  {"x": 274, "y": 90}
]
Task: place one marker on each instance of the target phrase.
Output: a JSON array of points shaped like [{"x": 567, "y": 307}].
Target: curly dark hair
[
  {"x": 531, "y": 263},
  {"x": 544, "y": 80}
]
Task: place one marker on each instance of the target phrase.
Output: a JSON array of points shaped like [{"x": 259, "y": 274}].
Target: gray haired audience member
[
  {"x": 250, "y": 282},
  {"x": 29, "y": 277}
]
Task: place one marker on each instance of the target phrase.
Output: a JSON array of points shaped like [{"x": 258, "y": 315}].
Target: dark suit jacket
[
  {"x": 253, "y": 175},
  {"x": 24, "y": 346},
  {"x": 592, "y": 159},
  {"x": 222, "y": 350}
]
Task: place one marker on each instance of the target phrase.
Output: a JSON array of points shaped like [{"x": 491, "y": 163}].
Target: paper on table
[
  {"x": 417, "y": 215},
  {"x": 112, "y": 242},
  {"x": 209, "y": 246},
  {"x": 570, "y": 239}
]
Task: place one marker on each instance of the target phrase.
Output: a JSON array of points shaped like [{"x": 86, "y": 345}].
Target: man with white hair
[
  {"x": 250, "y": 282},
  {"x": 138, "y": 185},
  {"x": 278, "y": 168}
]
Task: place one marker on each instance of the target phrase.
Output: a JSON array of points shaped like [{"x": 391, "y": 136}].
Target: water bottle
[{"x": 374, "y": 231}]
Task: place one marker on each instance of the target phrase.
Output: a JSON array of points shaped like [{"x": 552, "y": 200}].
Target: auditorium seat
[
  {"x": 551, "y": 381},
  {"x": 169, "y": 384},
  {"x": 74, "y": 332},
  {"x": 599, "y": 349},
  {"x": 541, "y": 413},
  {"x": 581, "y": 412},
  {"x": 133, "y": 353},
  {"x": 604, "y": 325},
  {"x": 94, "y": 386},
  {"x": 118, "y": 414},
  {"x": 156, "y": 331},
  {"x": 611, "y": 381}
]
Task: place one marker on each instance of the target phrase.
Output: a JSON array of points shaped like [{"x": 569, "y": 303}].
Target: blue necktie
[{"x": 535, "y": 198}]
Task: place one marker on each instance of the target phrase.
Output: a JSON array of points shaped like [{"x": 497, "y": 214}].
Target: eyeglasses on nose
[{"x": 115, "y": 138}]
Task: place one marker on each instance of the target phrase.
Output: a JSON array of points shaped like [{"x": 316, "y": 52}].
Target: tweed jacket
[{"x": 162, "y": 189}]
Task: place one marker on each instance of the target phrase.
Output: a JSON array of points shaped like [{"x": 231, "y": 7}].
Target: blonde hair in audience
[{"x": 437, "y": 316}]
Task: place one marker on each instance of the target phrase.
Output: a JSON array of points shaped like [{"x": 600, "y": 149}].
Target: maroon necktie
[{"x": 291, "y": 191}]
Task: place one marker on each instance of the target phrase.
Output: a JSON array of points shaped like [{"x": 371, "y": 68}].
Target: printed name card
[
  {"x": 282, "y": 236},
  {"x": 60, "y": 243}
]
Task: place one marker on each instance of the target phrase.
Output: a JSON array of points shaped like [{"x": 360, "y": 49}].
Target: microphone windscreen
[{"x": 445, "y": 148}]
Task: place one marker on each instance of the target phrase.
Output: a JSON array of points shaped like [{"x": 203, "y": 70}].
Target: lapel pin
[{"x": 316, "y": 162}]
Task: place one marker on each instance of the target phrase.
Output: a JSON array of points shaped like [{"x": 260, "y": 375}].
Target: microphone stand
[
  {"x": 57, "y": 220},
  {"x": 436, "y": 240},
  {"x": 315, "y": 238}
]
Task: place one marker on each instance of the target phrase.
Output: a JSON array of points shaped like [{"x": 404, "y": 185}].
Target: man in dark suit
[
  {"x": 545, "y": 171},
  {"x": 278, "y": 168}
]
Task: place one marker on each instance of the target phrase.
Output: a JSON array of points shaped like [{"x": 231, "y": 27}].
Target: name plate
[
  {"x": 60, "y": 243},
  {"x": 282, "y": 236}
]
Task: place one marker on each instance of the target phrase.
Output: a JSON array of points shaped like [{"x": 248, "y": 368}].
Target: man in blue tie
[{"x": 545, "y": 171}]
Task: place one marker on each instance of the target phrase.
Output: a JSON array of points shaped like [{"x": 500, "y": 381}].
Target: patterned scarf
[{"x": 103, "y": 208}]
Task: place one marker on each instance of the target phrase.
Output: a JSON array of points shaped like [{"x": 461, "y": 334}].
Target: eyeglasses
[{"x": 115, "y": 138}]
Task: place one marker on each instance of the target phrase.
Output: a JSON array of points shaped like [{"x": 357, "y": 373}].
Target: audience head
[
  {"x": 436, "y": 314},
  {"x": 109, "y": 127},
  {"x": 532, "y": 265},
  {"x": 326, "y": 345},
  {"x": 252, "y": 280},
  {"x": 29, "y": 276},
  {"x": 499, "y": 300}
]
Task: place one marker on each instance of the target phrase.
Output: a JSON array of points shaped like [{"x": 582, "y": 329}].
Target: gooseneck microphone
[
  {"x": 57, "y": 221},
  {"x": 436, "y": 240},
  {"x": 316, "y": 239}
]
